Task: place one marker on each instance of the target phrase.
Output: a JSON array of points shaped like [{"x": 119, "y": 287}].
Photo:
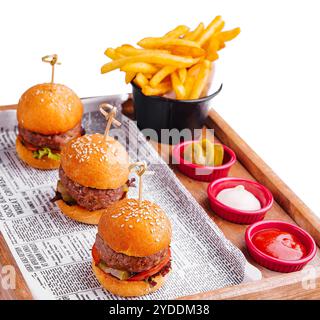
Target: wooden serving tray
[{"x": 287, "y": 207}]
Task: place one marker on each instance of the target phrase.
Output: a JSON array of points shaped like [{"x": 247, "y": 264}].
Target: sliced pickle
[
  {"x": 204, "y": 153},
  {"x": 64, "y": 194},
  {"x": 206, "y": 144},
  {"x": 60, "y": 187},
  {"x": 208, "y": 150},
  {"x": 199, "y": 156},
  {"x": 218, "y": 154},
  {"x": 121, "y": 275},
  {"x": 194, "y": 154},
  {"x": 188, "y": 153}
]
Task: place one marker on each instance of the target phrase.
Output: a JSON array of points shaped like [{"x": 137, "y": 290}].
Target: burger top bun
[
  {"x": 135, "y": 230},
  {"x": 49, "y": 109},
  {"x": 96, "y": 161}
]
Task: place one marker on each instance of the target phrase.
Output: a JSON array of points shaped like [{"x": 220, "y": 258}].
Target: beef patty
[
  {"x": 54, "y": 142},
  {"x": 123, "y": 262},
  {"x": 91, "y": 198}
]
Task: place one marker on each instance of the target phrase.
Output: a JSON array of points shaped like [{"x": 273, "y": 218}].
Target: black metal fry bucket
[{"x": 158, "y": 113}]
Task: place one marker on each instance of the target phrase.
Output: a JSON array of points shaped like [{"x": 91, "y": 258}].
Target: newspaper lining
[{"x": 54, "y": 252}]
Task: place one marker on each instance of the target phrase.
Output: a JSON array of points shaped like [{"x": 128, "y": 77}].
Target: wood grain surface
[{"x": 287, "y": 207}]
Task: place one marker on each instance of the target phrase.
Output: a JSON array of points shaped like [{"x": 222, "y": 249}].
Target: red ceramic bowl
[
  {"x": 202, "y": 173},
  {"x": 239, "y": 216},
  {"x": 274, "y": 263}
]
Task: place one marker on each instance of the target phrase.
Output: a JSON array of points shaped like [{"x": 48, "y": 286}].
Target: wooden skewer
[
  {"x": 140, "y": 168},
  {"x": 109, "y": 112},
  {"x": 53, "y": 60}
]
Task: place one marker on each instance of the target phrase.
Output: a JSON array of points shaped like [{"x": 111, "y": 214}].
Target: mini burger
[
  {"x": 131, "y": 254},
  {"x": 93, "y": 174},
  {"x": 49, "y": 115}
]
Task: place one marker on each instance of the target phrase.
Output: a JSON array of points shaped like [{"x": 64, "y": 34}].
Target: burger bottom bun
[
  {"x": 80, "y": 214},
  {"x": 126, "y": 288},
  {"x": 27, "y": 156}
]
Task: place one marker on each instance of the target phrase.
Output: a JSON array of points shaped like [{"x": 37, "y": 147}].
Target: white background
[{"x": 271, "y": 72}]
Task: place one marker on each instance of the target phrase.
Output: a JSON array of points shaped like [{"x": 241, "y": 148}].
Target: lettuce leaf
[{"x": 39, "y": 154}]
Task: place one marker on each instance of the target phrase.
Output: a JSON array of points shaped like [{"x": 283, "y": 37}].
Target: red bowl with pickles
[
  {"x": 199, "y": 172},
  {"x": 280, "y": 246}
]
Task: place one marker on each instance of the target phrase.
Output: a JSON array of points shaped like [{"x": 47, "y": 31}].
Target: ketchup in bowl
[{"x": 279, "y": 244}]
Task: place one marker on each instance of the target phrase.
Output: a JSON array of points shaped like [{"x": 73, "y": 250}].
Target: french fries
[
  {"x": 139, "y": 67},
  {"x": 141, "y": 80},
  {"x": 229, "y": 35},
  {"x": 113, "y": 54},
  {"x": 177, "y": 32},
  {"x": 179, "y": 62},
  {"x": 210, "y": 30},
  {"x": 129, "y": 76},
  {"x": 177, "y": 86},
  {"x": 160, "y": 89},
  {"x": 161, "y": 74},
  {"x": 213, "y": 47},
  {"x": 127, "y": 50},
  {"x": 159, "y": 58},
  {"x": 193, "y": 35},
  {"x": 191, "y": 75},
  {"x": 182, "y": 74},
  {"x": 201, "y": 80},
  {"x": 157, "y": 43},
  {"x": 187, "y": 51},
  {"x": 148, "y": 75}
]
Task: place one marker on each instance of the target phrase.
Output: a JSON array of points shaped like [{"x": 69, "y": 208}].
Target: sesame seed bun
[
  {"x": 80, "y": 214},
  {"x": 49, "y": 108},
  {"x": 96, "y": 161},
  {"x": 135, "y": 230},
  {"x": 27, "y": 156},
  {"x": 126, "y": 288}
]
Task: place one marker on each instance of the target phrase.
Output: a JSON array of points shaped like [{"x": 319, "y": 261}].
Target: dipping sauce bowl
[
  {"x": 199, "y": 172},
  {"x": 271, "y": 262},
  {"x": 234, "y": 215}
]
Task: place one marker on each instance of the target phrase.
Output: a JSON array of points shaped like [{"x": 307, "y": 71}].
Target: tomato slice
[
  {"x": 148, "y": 273},
  {"x": 95, "y": 254}
]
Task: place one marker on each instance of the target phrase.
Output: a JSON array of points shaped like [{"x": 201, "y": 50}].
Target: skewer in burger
[
  {"x": 49, "y": 115},
  {"x": 131, "y": 254},
  {"x": 93, "y": 174}
]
